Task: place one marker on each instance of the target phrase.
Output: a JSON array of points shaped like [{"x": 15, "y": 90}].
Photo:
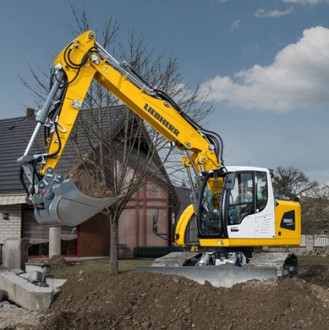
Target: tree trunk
[{"x": 113, "y": 269}]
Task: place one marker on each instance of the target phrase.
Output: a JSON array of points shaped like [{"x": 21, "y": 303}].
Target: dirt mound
[
  {"x": 140, "y": 300},
  {"x": 58, "y": 261},
  {"x": 89, "y": 185}
]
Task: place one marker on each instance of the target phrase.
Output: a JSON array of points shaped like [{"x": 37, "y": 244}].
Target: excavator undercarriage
[{"x": 225, "y": 269}]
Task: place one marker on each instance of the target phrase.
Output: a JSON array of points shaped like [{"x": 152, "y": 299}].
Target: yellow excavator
[{"x": 233, "y": 208}]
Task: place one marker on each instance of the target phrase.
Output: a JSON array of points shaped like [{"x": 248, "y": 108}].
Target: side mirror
[{"x": 229, "y": 181}]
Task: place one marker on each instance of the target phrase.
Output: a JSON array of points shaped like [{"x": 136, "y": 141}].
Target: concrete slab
[
  {"x": 55, "y": 283},
  {"x": 17, "y": 271},
  {"x": 42, "y": 268},
  {"x": 24, "y": 293},
  {"x": 32, "y": 277}
]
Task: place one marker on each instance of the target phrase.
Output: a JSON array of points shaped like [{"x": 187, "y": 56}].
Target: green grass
[
  {"x": 74, "y": 267},
  {"x": 313, "y": 260}
]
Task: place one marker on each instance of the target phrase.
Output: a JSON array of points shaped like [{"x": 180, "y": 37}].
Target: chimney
[{"x": 30, "y": 112}]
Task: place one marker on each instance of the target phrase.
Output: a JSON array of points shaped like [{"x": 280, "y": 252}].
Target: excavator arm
[
  {"x": 151, "y": 105},
  {"x": 79, "y": 63}
]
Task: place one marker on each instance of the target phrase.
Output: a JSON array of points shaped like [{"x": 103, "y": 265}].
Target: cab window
[
  {"x": 209, "y": 209},
  {"x": 262, "y": 191},
  {"x": 241, "y": 200}
]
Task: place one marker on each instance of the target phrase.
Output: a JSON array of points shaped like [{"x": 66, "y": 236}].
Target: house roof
[
  {"x": 14, "y": 136},
  {"x": 16, "y": 132}
]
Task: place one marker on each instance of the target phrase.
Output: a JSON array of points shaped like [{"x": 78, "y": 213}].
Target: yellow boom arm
[
  {"x": 77, "y": 65},
  {"x": 96, "y": 63}
]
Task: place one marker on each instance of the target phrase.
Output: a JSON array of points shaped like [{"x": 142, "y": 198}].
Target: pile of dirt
[
  {"x": 139, "y": 300},
  {"x": 89, "y": 185},
  {"x": 58, "y": 261}
]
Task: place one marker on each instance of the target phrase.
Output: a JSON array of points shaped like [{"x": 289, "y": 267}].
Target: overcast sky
[{"x": 265, "y": 64}]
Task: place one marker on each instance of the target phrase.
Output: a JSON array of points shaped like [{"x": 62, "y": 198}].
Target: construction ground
[{"x": 91, "y": 299}]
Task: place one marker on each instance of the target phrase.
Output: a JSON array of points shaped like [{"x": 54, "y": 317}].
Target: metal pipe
[
  {"x": 43, "y": 113},
  {"x": 192, "y": 163},
  {"x": 130, "y": 75},
  {"x": 189, "y": 175},
  {"x": 35, "y": 132}
]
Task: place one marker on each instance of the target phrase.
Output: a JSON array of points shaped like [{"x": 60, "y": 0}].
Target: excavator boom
[{"x": 58, "y": 201}]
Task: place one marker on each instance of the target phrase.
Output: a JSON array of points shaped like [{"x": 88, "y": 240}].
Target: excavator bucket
[{"x": 65, "y": 205}]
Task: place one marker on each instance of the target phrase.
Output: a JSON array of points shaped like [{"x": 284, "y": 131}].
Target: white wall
[{"x": 10, "y": 228}]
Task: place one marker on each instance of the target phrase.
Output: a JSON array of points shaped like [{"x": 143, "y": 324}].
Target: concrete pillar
[
  {"x": 54, "y": 241},
  {"x": 309, "y": 243},
  {"x": 15, "y": 253}
]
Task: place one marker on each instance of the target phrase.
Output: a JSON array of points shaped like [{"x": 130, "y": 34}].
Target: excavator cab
[
  {"x": 237, "y": 207},
  {"x": 232, "y": 201}
]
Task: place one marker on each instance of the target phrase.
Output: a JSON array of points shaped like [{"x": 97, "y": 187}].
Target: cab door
[
  {"x": 241, "y": 222},
  {"x": 265, "y": 218}
]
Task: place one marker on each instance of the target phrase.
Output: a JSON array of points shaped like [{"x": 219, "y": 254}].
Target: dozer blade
[
  {"x": 218, "y": 276},
  {"x": 65, "y": 205},
  {"x": 263, "y": 266}
]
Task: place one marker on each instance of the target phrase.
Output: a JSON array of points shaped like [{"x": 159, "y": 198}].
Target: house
[{"x": 91, "y": 238}]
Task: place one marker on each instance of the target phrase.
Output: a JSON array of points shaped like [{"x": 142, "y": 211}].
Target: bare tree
[
  {"x": 315, "y": 211},
  {"x": 125, "y": 157},
  {"x": 292, "y": 182}
]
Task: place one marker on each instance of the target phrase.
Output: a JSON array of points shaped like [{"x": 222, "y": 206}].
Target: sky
[{"x": 264, "y": 63}]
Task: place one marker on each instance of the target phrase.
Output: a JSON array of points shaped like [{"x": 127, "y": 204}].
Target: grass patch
[
  {"x": 313, "y": 260},
  {"x": 74, "y": 267}
]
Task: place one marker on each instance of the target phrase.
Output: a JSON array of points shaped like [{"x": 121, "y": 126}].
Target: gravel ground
[{"x": 13, "y": 317}]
